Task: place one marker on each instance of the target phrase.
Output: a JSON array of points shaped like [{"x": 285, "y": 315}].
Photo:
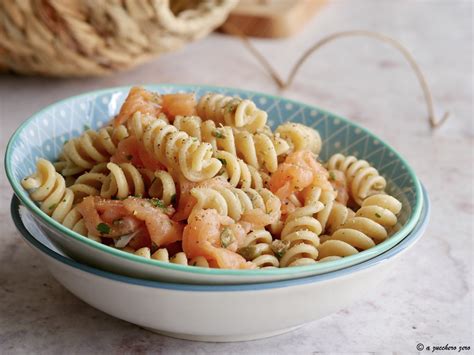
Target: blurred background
[{"x": 50, "y": 50}]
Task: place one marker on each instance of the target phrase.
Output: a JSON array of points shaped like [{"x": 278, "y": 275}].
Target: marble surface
[{"x": 427, "y": 300}]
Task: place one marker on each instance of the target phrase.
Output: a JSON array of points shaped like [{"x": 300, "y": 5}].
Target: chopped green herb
[
  {"x": 103, "y": 228},
  {"x": 157, "y": 203},
  {"x": 86, "y": 127},
  {"x": 249, "y": 253},
  {"x": 129, "y": 157},
  {"x": 138, "y": 195},
  {"x": 223, "y": 161},
  {"x": 53, "y": 206},
  {"x": 227, "y": 237},
  {"x": 67, "y": 140},
  {"x": 332, "y": 176},
  {"x": 378, "y": 215},
  {"x": 280, "y": 247},
  {"x": 173, "y": 199},
  {"x": 218, "y": 134}
]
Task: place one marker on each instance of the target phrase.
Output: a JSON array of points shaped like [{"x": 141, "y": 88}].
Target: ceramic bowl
[
  {"x": 44, "y": 134},
  {"x": 210, "y": 312}
]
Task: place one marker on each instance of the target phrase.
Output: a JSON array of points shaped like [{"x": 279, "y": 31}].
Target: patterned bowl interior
[{"x": 44, "y": 134}]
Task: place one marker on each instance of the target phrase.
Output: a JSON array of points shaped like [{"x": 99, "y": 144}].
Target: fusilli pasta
[
  {"x": 260, "y": 150},
  {"x": 362, "y": 178},
  {"x": 301, "y": 231},
  {"x": 82, "y": 153},
  {"x": 369, "y": 226},
  {"x": 175, "y": 149},
  {"x": 257, "y": 249},
  {"x": 209, "y": 184},
  {"x": 235, "y": 202},
  {"x": 231, "y": 111}
]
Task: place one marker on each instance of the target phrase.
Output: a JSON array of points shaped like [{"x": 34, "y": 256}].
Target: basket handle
[
  {"x": 193, "y": 22},
  {"x": 284, "y": 84}
]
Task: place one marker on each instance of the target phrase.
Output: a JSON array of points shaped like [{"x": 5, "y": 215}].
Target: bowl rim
[
  {"x": 403, "y": 245},
  {"x": 341, "y": 263}
]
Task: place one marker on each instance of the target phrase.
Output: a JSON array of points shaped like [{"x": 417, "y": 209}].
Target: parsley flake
[
  {"x": 280, "y": 247},
  {"x": 332, "y": 176},
  {"x": 157, "y": 203},
  {"x": 218, "y": 134},
  {"x": 53, "y": 206},
  {"x": 103, "y": 228},
  {"x": 378, "y": 215},
  {"x": 227, "y": 237},
  {"x": 86, "y": 127},
  {"x": 223, "y": 161}
]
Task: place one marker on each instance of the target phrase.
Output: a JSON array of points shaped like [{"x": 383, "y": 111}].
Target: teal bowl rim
[
  {"x": 410, "y": 240},
  {"x": 324, "y": 267}
]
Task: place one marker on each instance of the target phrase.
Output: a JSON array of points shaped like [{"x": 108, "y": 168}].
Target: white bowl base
[{"x": 224, "y": 338}]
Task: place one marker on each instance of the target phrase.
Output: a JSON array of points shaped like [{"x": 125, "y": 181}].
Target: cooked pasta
[
  {"x": 235, "y": 202},
  {"x": 362, "y": 178},
  {"x": 256, "y": 248},
  {"x": 300, "y": 137},
  {"x": 260, "y": 150},
  {"x": 124, "y": 180},
  {"x": 301, "y": 231},
  {"x": 82, "y": 153},
  {"x": 237, "y": 172},
  {"x": 207, "y": 183},
  {"x": 163, "y": 255},
  {"x": 88, "y": 184},
  {"x": 368, "y": 227},
  {"x": 48, "y": 187},
  {"x": 176, "y": 149},
  {"x": 231, "y": 111},
  {"x": 333, "y": 214},
  {"x": 163, "y": 187}
]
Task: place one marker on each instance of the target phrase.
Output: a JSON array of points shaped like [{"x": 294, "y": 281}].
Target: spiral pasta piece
[
  {"x": 175, "y": 149},
  {"x": 88, "y": 184},
  {"x": 260, "y": 150},
  {"x": 237, "y": 172},
  {"x": 363, "y": 179},
  {"x": 235, "y": 202},
  {"x": 256, "y": 248},
  {"x": 180, "y": 258},
  {"x": 48, "y": 187},
  {"x": 301, "y": 232},
  {"x": 300, "y": 137},
  {"x": 124, "y": 180},
  {"x": 369, "y": 226},
  {"x": 231, "y": 111},
  {"x": 333, "y": 214},
  {"x": 91, "y": 147}
]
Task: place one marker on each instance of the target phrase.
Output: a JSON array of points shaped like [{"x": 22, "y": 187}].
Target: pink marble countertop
[{"x": 427, "y": 300}]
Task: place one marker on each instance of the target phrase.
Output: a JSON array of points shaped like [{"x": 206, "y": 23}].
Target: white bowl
[{"x": 215, "y": 313}]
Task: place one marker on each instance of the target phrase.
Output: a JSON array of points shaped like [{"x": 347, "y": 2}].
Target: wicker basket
[{"x": 98, "y": 37}]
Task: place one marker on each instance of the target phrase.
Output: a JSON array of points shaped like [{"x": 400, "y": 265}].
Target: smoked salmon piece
[
  {"x": 138, "y": 100},
  {"x": 107, "y": 218},
  {"x": 179, "y": 105},
  {"x": 131, "y": 150},
  {"x": 298, "y": 171},
  {"x": 161, "y": 228},
  {"x": 216, "y": 238},
  {"x": 187, "y": 201}
]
